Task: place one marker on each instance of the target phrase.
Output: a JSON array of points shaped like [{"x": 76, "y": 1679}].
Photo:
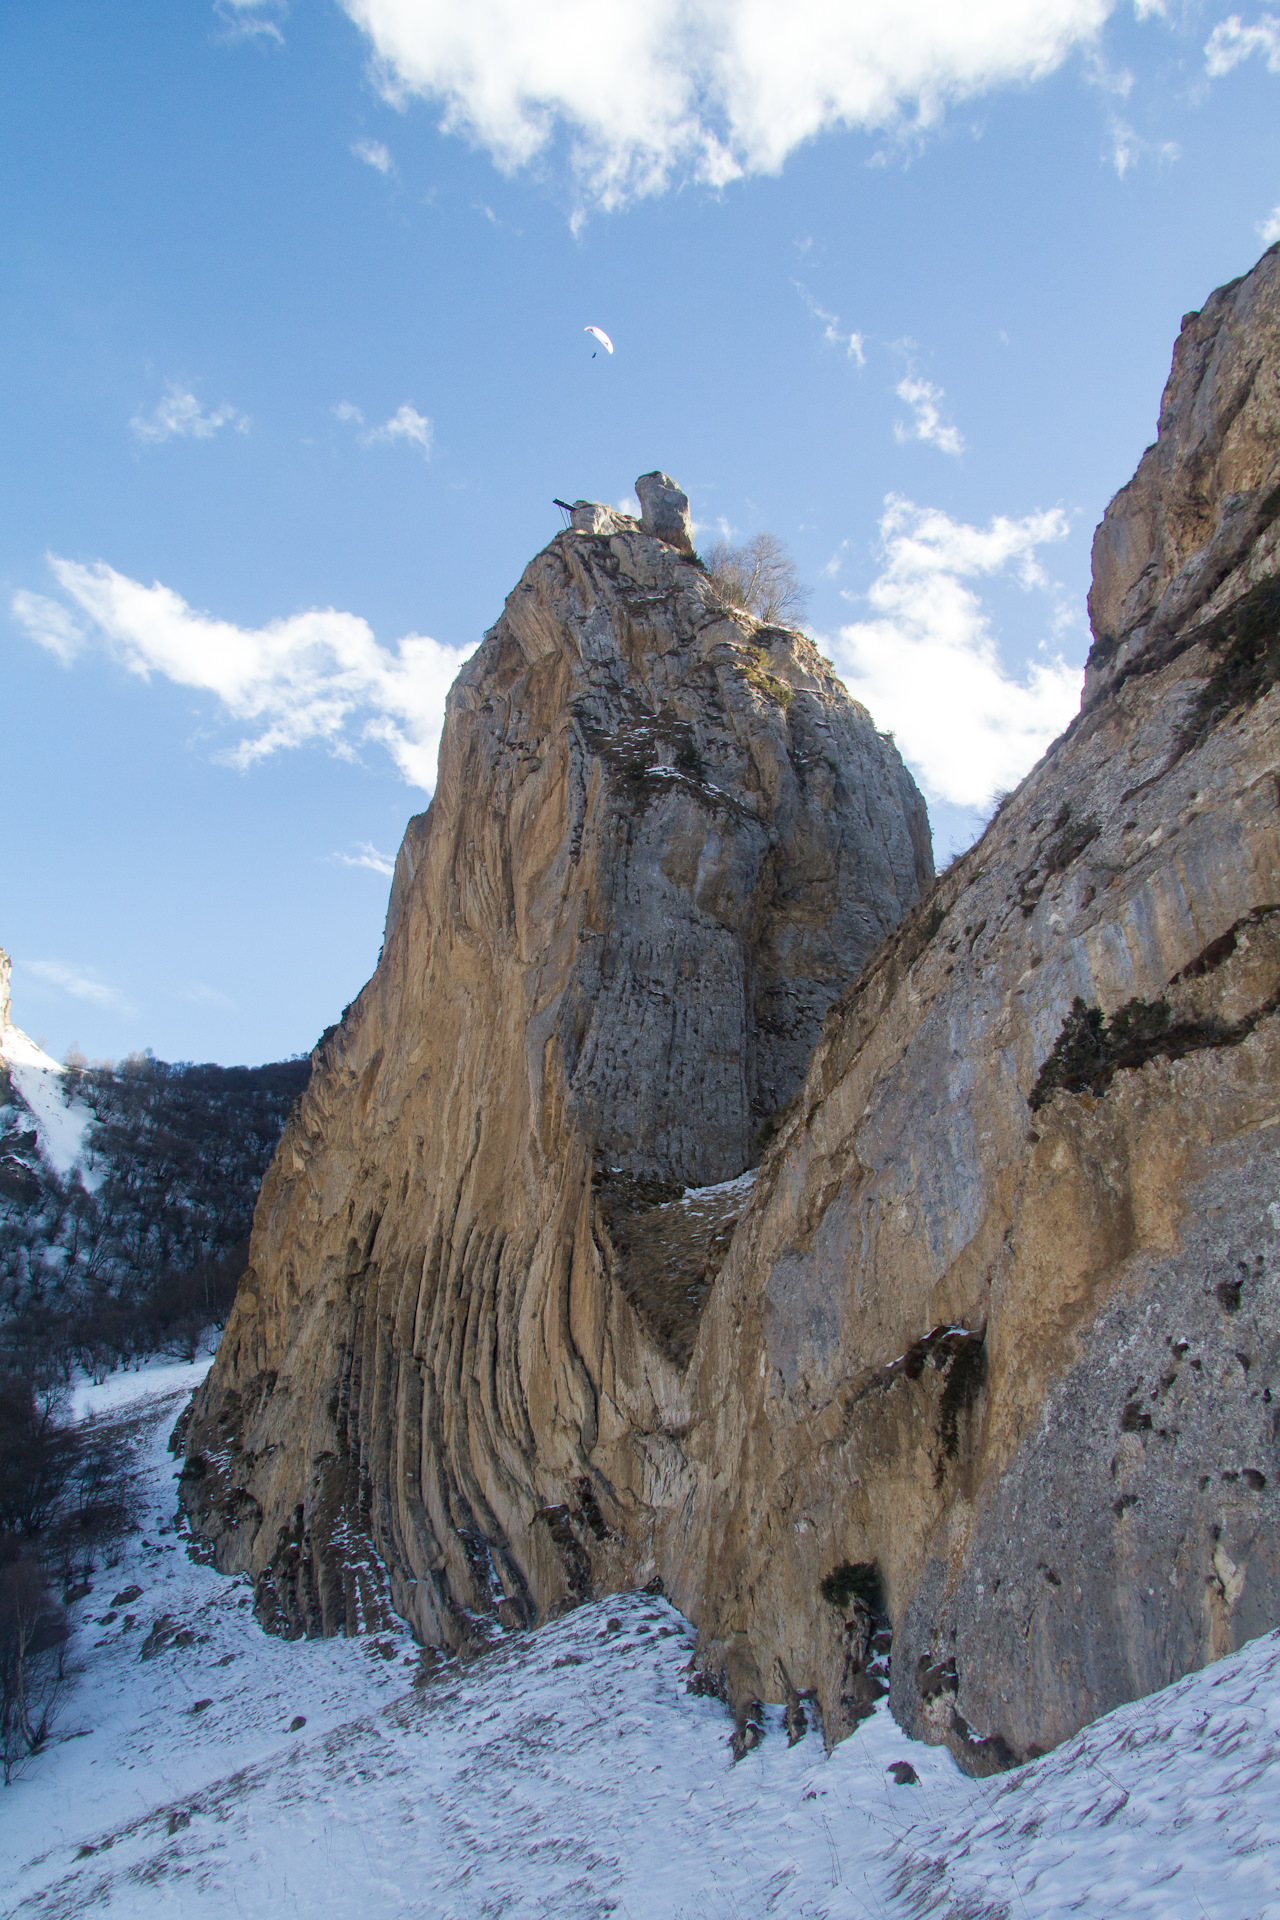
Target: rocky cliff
[
  {"x": 996, "y": 1346},
  {"x": 664, "y": 839},
  {"x": 985, "y": 1357}
]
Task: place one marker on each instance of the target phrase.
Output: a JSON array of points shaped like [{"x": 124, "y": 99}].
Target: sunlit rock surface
[{"x": 663, "y": 841}]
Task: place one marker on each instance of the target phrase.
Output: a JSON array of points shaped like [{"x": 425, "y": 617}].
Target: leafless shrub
[{"x": 760, "y": 577}]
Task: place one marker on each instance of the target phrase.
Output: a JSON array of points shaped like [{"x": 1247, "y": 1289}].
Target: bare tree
[
  {"x": 759, "y": 576},
  {"x": 33, "y": 1673}
]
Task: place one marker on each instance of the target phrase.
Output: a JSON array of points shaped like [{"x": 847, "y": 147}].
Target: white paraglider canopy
[{"x": 600, "y": 334}]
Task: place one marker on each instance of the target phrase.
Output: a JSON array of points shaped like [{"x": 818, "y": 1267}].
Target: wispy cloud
[
  {"x": 1269, "y": 229},
  {"x": 367, "y": 855},
  {"x": 1126, "y": 147},
  {"x": 317, "y": 677},
  {"x": 835, "y": 563},
  {"x": 49, "y": 622},
  {"x": 406, "y": 424},
  {"x": 180, "y": 416},
  {"x": 853, "y": 345},
  {"x": 704, "y": 89},
  {"x": 80, "y": 982},
  {"x": 374, "y": 155},
  {"x": 202, "y": 996},
  {"x": 252, "y": 19},
  {"x": 1231, "y": 42},
  {"x": 926, "y": 423},
  {"x": 926, "y": 663}
]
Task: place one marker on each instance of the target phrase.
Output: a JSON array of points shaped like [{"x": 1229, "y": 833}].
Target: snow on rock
[
  {"x": 723, "y": 1190},
  {"x": 38, "y": 1078},
  {"x": 205, "y": 1767}
]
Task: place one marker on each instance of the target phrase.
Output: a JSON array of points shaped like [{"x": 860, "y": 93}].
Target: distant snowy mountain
[{"x": 126, "y": 1197}]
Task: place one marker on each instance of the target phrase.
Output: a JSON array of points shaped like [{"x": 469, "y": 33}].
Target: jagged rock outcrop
[
  {"x": 990, "y": 1351},
  {"x": 664, "y": 839}
]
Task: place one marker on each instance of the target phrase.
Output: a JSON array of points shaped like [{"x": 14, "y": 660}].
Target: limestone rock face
[
  {"x": 1000, "y": 1320},
  {"x": 988, "y": 1353},
  {"x": 663, "y": 841}
]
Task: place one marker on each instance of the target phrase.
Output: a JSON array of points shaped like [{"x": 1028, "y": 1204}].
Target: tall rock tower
[{"x": 663, "y": 841}]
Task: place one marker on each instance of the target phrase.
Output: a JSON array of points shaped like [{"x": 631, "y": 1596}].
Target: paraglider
[{"x": 600, "y": 334}]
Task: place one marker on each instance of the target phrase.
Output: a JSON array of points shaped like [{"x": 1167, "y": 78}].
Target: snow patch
[
  {"x": 120, "y": 1391},
  {"x": 569, "y": 1773},
  {"x": 61, "y": 1125},
  {"x": 697, "y": 1196}
]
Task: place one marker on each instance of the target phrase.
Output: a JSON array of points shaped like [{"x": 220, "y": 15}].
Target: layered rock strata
[
  {"x": 664, "y": 839},
  {"x": 989, "y": 1352}
]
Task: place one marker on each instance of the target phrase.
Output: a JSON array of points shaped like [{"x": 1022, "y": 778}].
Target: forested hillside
[{"x": 138, "y": 1248}]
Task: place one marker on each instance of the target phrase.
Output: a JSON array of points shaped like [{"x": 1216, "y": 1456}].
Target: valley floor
[{"x": 568, "y": 1773}]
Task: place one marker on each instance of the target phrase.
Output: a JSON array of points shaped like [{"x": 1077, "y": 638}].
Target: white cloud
[
  {"x": 1128, "y": 147},
  {"x": 180, "y": 416},
  {"x": 1269, "y": 229},
  {"x": 707, "y": 89},
  {"x": 925, "y": 401},
  {"x": 313, "y": 677},
  {"x": 406, "y": 424},
  {"x": 1109, "y": 79},
  {"x": 79, "y": 982},
  {"x": 374, "y": 154},
  {"x": 48, "y": 622},
  {"x": 852, "y": 344},
  {"x": 926, "y": 662},
  {"x": 367, "y": 855},
  {"x": 1231, "y": 42},
  {"x": 252, "y": 19},
  {"x": 1125, "y": 146}
]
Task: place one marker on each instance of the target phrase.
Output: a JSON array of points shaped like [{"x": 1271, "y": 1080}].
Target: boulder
[{"x": 665, "y": 510}]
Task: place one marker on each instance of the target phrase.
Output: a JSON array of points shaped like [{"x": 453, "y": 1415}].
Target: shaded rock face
[
  {"x": 663, "y": 841},
  {"x": 1000, "y": 1320}
]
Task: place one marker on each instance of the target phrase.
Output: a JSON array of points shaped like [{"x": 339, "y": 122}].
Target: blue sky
[{"x": 293, "y": 363}]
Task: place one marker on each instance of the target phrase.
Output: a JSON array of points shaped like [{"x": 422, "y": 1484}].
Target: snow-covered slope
[
  {"x": 39, "y": 1079},
  {"x": 568, "y": 1773}
]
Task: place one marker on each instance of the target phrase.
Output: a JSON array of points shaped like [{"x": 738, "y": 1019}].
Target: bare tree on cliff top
[{"x": 759, "y": 576}]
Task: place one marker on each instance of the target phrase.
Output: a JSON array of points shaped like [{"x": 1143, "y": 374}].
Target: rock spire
[{"x": 663, "y": 841}]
